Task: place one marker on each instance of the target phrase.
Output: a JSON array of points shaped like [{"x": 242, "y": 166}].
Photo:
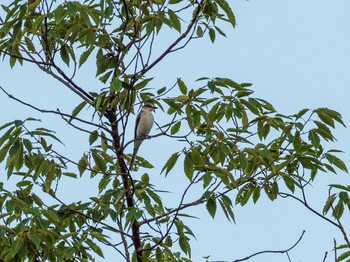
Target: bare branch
[
  {"x": 176, "y": 42},
  {"x": 342, "y": 230},
  {"x": 25, "y": 58},
  {"x": 88, "y": 217},
  {"x": 57, "y": 112},
  {"x": 285, "y": 195},
  {"x": 273, "y": 251},
  {"x": 325, "y": 256}
]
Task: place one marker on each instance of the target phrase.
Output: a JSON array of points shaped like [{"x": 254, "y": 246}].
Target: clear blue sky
[{"x": 297, "y": 55}]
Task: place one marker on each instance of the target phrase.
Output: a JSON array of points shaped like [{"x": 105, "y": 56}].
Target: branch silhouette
[{"x": 285, "y": 251}]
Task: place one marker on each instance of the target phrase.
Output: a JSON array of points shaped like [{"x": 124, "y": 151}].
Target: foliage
[{"x": 236, "y": 146}]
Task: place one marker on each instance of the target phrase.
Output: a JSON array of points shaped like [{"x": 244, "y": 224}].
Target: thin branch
[
  {"x": 272, "y": 251},
  {"x": 176, "y": 42},
  {"x": 25, "y": 59},
  {"x": 88, "y": 217},
  {"x": 124, "y": 241},
  {"x": 325, "y": 256},
  {"x": 285, "y": 195},
  {"x": 71, "y": 85},
  {"x": 173, "y": 210},
  {"x": 342, "y": 229},
  {"x": 175, "y": 216},
  {"x": 57, "y": 112}
]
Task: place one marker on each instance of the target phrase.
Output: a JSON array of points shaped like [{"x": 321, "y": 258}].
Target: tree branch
[
  {"x": 57, "y": 112},
  {"x": 88, "y": 217},
  {"x": 176, "y": 42},
  {"x": 273, "y": 251},
  {"x": 285, "y": 195}
]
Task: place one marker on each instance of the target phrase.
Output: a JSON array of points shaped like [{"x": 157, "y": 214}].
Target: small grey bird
[{"x": 144, "y": 123}]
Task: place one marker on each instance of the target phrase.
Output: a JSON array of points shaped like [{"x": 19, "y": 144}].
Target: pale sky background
[{"x": 296, "y": 54}]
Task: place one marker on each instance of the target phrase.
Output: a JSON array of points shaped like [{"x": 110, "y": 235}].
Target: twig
[
  {"x": 124, "y": 241},
  {"x": 25, "y": 59},
  {"x": 272, "y": 251},
  {"x": 342, "y": 229},
  {"x": 175, "y": 216},
  {"x": 88, "y": 217},
  {"x": 57, "y": 112},
  {"x": 285, "y": 195},
  {"x": 176, "y": 42},
  {"x": 325, "y": 256}
]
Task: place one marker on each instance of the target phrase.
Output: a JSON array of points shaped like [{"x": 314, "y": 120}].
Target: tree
[{"x": 233, "y": 146}]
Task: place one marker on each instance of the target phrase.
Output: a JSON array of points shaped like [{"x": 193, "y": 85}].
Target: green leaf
[
  {"x": 64, "y": 52},
  {"x": 94, "y": 247},
  {"x": 143, "y": 162},
  {"x": 211, "y": 206},
  {"x": 227, "y": 9},
  {"x": 161, "y": 90},
  {"x": 145, "y": 178},
  {"x": 244, "y": 194},
  {"x": 70, "y": 174},
  {"x": 77, "y": 110},
  {"x": 93, "y": 137},
  {"x": 82, "y": 164},
  {"x": 142, "y": 84},
  {"x": 242, "y": 160},
  {"x": 325, "y": 118},
  {"x": 274, "y": 189},
  {"x": 182, "y": 86},
  {"x": 343, "y": 256},
  {"x": 117, "y": 84},
  {"x": 329, "y": 203},
  {"x": 302, "y": 112},
  {"x": 212, "y": 35},
  {"x": 184, "y": 245},
  {"x": 220, "y": 31},
  {"x": 188, "y": 167},
  {"x": 32, "y": 5},
  {"x": 314, "y": 138},
  {"x": 84, "y": 56},
  {"x": 100, "y": 162},
  {"x": 7, "y": 229},
  {"x": 170, "y": 163},
  {"x": 290, "y": 183},
  {"x": 196, "y": 156},
  {"x": 338, "y": 210},
  {"x": 3, "y": 151},
  {"x": 334, "y": 160},
  {"x": 256, "y": 194},
  {"x": 175, "y": 128},
  {"x": 29, "y": 45},
  {"x": 324, "y": 131},
  {"x": 342, "y": 187},
  {"x": 340, "y": 164},
  {"x": 51, "y": 216},
  {"x": 35, "y": 239},
  {"x": 23, "y": 183},
  {"x": 103, "y": 183},
  {"x": 105, "y": 76},
  {"x": 199, "y": 31},
  {"x": 175, "y": 21},
  {"x": 16, "y": 245},
  {"x": 335, "y": 115},
  {"x": 226, "y": 204}
]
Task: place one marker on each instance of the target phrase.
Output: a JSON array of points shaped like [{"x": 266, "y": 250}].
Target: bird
[{"x": 144, "y": 123}]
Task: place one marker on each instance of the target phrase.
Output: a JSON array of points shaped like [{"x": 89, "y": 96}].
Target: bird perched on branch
[{"x": 144, "y": 123}]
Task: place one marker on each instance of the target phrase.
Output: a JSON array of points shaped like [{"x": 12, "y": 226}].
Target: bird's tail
[{"x": 137, "y": 144}]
